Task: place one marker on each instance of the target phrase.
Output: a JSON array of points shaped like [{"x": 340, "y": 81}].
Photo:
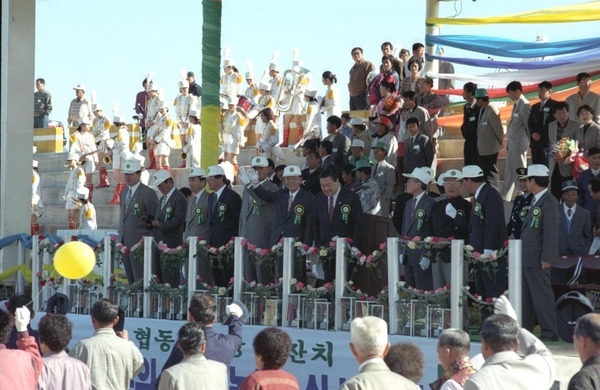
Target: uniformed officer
[{"x": 521, "y": 206}]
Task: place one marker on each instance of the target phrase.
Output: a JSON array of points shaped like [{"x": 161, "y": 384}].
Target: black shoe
[{"x": 549, "y": 338}]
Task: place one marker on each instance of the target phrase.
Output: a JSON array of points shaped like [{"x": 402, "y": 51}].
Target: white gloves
[
  {"x": 22, "y": 317},
  {"x": 503, "y": 306},
  {"x": 401, "y": 258},
  {"x": 243, "y": 176},
  {"x": 424, "y": 263},
  {"x": 450, "y": 211},
  {"x": 234, "y": 309},
  {"x": 253, "y": 176}
]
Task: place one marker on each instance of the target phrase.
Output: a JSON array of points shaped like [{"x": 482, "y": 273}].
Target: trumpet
[
  {"x": 291, "y": 83},
  {"x": 183, "y": 155},
  {"x": 107, "y": 160},
  {"x": 82, "y": 158}
]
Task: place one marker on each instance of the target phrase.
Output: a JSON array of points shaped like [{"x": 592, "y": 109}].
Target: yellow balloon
[{"x": 74, "y": 260}]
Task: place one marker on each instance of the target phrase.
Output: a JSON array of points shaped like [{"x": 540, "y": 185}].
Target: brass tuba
[{"x": 291, "y": 86}]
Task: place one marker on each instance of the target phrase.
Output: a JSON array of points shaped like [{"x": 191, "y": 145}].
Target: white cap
[
  {"x": 356, "y": 121},
  {"x": 98, "y": 107},
  {"x": 419, "y": 174},
  {"x": 215, "y": 170},
  {"x": 183, "y": 84},
  {"x": 162, "y": 104},
  {"x": 159, "y": 177},
  {"x": 297, "y": 63},
  {"x": 83, "y": 193},
  {"x": 539, "y": 170},
  {"x": 193, "y": 112},
  {"x": 264, "y": 86},
  {"x": 230, "y": 101},
  {"x": 73, "y": 156},
  {"x": 440, "y": 180},
  {"x": 84, "y": 121},
  {"x": 259, "y": 162},
  {"x": 429, "y": 172},
  {"x": 151, "y": 86},
  {"x": 471, "y": 171},
  {"x": 274, "y": 66},
  {"x": 197, "y": 172},
  {"x": 292, "y": 170},
  {"x": 118, "y": 118},
  {"x": 228, "y": 62},
  {"x": 452, "y": 174},
  {"x": 357, "y": 143},
  {"x": 34, "y": 164},
  {"x": 80, "y": 86},
  {"x": 132, "y": 166},
  {"x": 310, "y": 92},
  {"x": 127, "y": 155},
  {"x": 250, "y": 76}
]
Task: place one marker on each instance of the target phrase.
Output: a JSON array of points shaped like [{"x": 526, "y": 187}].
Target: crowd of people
[{"x": 200, "y": 359}]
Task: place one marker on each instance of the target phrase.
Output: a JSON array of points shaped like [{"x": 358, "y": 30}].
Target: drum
[{"x": 245, "y": 104}]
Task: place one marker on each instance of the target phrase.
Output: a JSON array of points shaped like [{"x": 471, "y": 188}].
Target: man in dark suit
[
  {"x": 310, "y": 175},
  {"x": 521, "y": 206},
  {"x": 339, "y": 213},
  {"x": 138, "y": 201},
  {"x": 469, "y": 125},
  {"x": 539, "y": 118},
  {"x": 487, "y": 231},
  {"x": 418, "y": 151},
  {"x": 224, "y": 206},
  {"x": 540, "y": 252},
  {"x": 256, "y": 220},
  {"x": 325, "y": 150},
  {"x": 340, "y": 143},
  {"x": 449, "y": 218},
  {"x": 197, "y": 217},
  {"x": 168, "y": 222},
  {"x": 294, "y": 215},
  {"x": 417, "y": 222}
]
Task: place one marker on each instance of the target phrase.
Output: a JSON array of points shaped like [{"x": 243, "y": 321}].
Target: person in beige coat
[
  {"x": 369, "y": 344},
  {"x": 489, "y": 137}
]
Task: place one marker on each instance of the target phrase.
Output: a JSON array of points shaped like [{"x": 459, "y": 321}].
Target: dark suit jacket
[
  {"x": 541, "y": 242},
  {"x": 410, "y": 226},
  {"x": 223, "y": 228},
  {"x": 579, "y": 239},
  {"x": 341, "y": 145},
  {"x": 132, "y": 227},
  {"x": 338, "y": 227},
  {"x": 170, "y": 228},
  {"x": 444, "y": 226},
  {"x": 285, "y": 225},
  {"x": 195, "y": 227},
  {"x": 538, "y": 122},
  {"x": 310, "y": 181},
  {"x": 470, "y": 118},
  {"x": 488, "y": 232},
  {"x": 419, "y": 155}
]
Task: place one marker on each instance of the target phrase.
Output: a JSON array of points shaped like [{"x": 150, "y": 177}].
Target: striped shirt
[{"x": 42, "y": 103}]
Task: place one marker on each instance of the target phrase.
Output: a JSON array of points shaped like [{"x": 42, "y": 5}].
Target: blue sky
[{"x": 110, "y": 45}]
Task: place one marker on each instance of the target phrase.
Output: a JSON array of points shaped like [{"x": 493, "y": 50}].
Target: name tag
[
  {"x": 380, "y": 174},
  {"x": 546, "y": 109},
  {"x": 472, "y": 119},
  {"x": 516, "y": 115},
  {"x": 484, "y": 123},
  {"x": 334, "y": 150},
  {"x": 417, "y": 147}
]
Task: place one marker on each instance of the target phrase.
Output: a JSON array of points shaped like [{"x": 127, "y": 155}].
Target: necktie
[
  {"x": 569, "y": 213},
  {"x": 414, "y": 205},
  {"x": 290, "y": 200},
  {"x": 375, "y": 171},
  {"x": 213, "y": 204},
  {"x": 411, "y": 143},
  {"x": 128, "y": 198},
  {"x": 569, "y": 220},
  {"x": 330, "y": 208},
  {"x": 163, "y": 202}
]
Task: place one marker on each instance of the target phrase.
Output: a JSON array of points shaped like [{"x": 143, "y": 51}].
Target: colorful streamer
[{"x": 584, "y": 12}]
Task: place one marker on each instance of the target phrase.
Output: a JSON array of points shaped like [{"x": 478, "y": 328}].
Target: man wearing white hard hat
[
  {"x": 294, "y": 214},
  {"x": 487, "y": 230},
  {"x": 193, "y": 137},
  {"x": 80, "y": 107},
  {"x": 224, "y": 206},
  {"x": 449, "y": 218},
  {"x": 359, "y": 131},
  {"x": 416, "y": 222},
  {"x": 196, "y": 221},
  {"x": 257, "y": 217},
  {"x": 168, "y": 222},
  {"x": 120, "y": 145},
  {"x": 539, "y": 253},
  {"x": 101, "y": 133},
  {"x": 87, "y": 211},
  {"x": 75, "y": 181},
  {"x": 357, "y": 152},
  {"x": 137, "y": 202}
]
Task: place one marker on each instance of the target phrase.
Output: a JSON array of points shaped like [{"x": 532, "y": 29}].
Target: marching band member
[
  {"x": 194, "y": 134},
  {"x": 37, "y": 206},
  {"x": 87, "y": 211},
  {"x": 231, "y": 80},
  {"x": 151, "y": 116},
  {"x": 233, "y": 133},
  {"x": 296, "y": 104},
  {"x": 183, "y": 102},
  {"x": 101, "y": 132},
  {"x": 160, "y": 139},
  {"x": 252, "y": 90},
  {"x": 264, "y": 101},
  {"x": 120, "y": 145},
  {"x": 84, "y": 143},
  {"x": 275, "y": 80},
  {"x": 332, "y": 100},
  {"x": 313, "y": 115},
  {"x": 269, "y": 147},
  {"x": 75, "y": 181}
]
